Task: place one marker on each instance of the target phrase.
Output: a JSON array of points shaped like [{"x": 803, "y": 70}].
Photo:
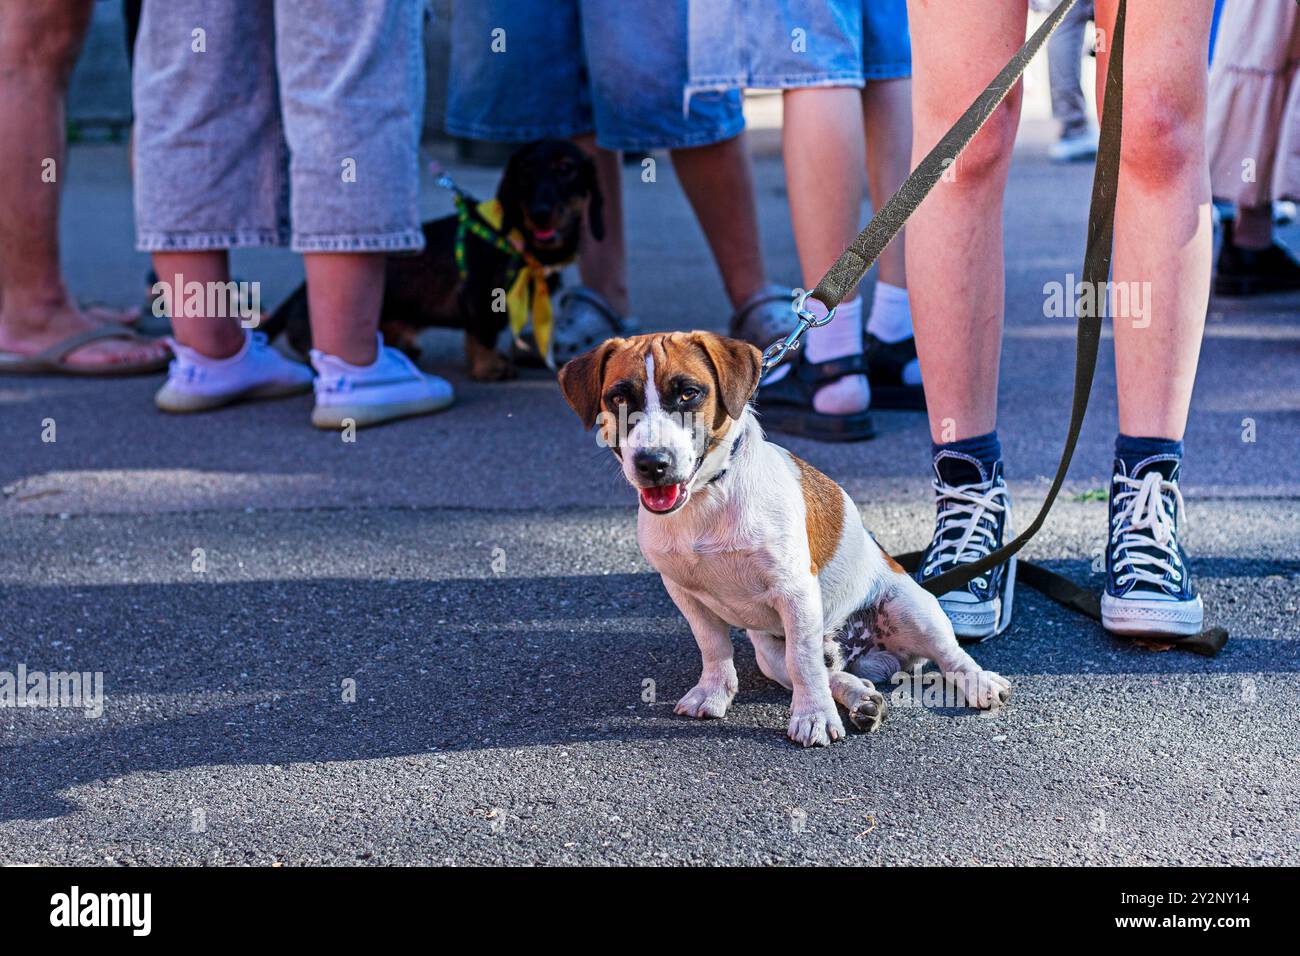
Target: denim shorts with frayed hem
[
  {"x": 278, "y": 122},
  {"x": 791, "y": 44},
  {"x": 527, "y": 70}
]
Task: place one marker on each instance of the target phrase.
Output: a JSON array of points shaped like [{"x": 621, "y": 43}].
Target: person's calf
[
  {"x": 345, "y": 292},
  {"x": 214, "y": 336}
]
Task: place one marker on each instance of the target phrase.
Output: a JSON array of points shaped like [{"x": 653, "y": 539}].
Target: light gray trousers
[
  {"x": 1064, "y": 63},
  {"x": 273, "y": 122}
]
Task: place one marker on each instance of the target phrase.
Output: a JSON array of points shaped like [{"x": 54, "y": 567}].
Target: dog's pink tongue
[{"x": 660, "y": 499}]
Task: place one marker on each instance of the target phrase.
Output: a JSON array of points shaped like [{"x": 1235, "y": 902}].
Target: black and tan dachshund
[{"x": 545, "y": 190}]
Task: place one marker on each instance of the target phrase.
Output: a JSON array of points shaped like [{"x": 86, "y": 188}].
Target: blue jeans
[
  {"x": 274, "y": 122},
  {"x": 524, "y": 70},
  {"x": 788, "y": 44}
]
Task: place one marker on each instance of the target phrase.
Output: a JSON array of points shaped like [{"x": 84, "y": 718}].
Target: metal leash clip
[
  {"x": 442, "y": 179},
  {"x": 776, "y": 351}
]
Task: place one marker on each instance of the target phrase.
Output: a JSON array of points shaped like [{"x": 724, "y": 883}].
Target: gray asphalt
[{"x": 516, "y": 662}]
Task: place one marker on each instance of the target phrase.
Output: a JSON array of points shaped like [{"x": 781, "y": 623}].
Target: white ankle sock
[
  {"x": 843, "y": 336},
  {"x": 891, "y": 314}
]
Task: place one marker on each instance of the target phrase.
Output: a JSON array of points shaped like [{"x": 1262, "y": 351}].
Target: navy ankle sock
[
  {"x": 1132, "y": 450},
  {"x": 986, "y": 449}
]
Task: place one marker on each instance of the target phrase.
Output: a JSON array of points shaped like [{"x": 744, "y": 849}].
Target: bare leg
[
  {"x": 214, "y": 336},
  {"x": 39, "y": 45},
  {"x": 603, "y": 265},
  {"x": 822, "y": 142},
  {"x": 957, "y": 231},
  {"x": 887, "y": 114},
  {"x": 718, "y": 182},
  {"x": 1163, "y": 231},
  {"x": 345, "y": 292}
]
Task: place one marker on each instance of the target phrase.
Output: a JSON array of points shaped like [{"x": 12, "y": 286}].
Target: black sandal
[
  {"x": 787, "y": 404},
  {"x": 885, "y": 364}
]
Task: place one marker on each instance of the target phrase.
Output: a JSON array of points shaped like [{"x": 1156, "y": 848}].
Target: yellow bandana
[{"x": 529, "y": 297}]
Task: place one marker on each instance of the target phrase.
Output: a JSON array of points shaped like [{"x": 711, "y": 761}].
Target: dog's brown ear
[
  {"x": 736, "y": 366},
  {"x": 581, "y": 380}
]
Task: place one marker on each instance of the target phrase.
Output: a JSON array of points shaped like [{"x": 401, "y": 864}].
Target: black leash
[{"x": 843, "y": 277}]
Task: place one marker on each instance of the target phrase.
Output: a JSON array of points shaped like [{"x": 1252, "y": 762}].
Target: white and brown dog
[{"x": 746, "y": 534}]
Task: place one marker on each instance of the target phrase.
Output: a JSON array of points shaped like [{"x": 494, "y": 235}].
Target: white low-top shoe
[
  {"x": 196, "y": 383},
  {"x": 1075, "y": 148},
  {"x": 392, "y": 387}
]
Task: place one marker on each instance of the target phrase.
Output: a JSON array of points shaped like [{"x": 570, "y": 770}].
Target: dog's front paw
[
  {"x": 492, "y": 367},
  {"x": 984, "y": 689},
  {"x": 707, "y": 699},
  {"x": 815, "y": 725}
]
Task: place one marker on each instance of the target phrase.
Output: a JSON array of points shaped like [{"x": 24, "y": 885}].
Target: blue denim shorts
[
  {"x": 279, "y": 122},
  {"x": 526, "y": 70},
  {"x": 788, "y": 44}
]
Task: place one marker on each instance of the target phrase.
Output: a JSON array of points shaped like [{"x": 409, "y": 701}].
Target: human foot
[{"x": 30, "y": 333}]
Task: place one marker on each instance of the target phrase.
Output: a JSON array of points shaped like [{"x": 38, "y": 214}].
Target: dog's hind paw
[
  {"x": 984, "y": 689},
  {"x": 815, "y": 726},
  {"x": 866, "y": 715}
]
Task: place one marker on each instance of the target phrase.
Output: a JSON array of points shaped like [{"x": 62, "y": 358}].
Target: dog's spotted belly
[{"x": 866, "y": 643}]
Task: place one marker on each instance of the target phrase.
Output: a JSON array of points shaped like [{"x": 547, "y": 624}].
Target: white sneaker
[
  {"x": 196, "y": 383},
  {"x": 1070, "y": 149},
  {"x": 390, "y": 388}
]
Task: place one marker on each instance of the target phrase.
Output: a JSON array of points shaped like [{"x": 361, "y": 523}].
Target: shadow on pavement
[{"x": 450, "y": 665}]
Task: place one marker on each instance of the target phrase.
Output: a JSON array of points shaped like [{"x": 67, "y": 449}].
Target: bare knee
[
  {"x": 43, "y": 37},
  {"x": 1164, "y": 134},
  {"x": 987, "y": 157}
]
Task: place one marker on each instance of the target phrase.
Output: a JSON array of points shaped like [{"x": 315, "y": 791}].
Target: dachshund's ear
[
  {"x": 595, "y": 199},
  {"x": 510, "y": 189},
  {"x": 581, "y": 379}
]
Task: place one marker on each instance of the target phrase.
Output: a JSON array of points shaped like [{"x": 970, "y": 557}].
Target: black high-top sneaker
[
  {"x": 1149, "y": 589},
  {"x": 972, "y": 519}
]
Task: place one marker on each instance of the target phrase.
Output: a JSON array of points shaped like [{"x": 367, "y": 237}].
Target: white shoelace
[
  {"x": 967, "y": 507},
  {"x": 1142, "y": 520}
]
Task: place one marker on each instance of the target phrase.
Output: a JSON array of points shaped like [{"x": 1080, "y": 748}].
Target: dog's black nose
[{"x": 652, "y": 464}]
